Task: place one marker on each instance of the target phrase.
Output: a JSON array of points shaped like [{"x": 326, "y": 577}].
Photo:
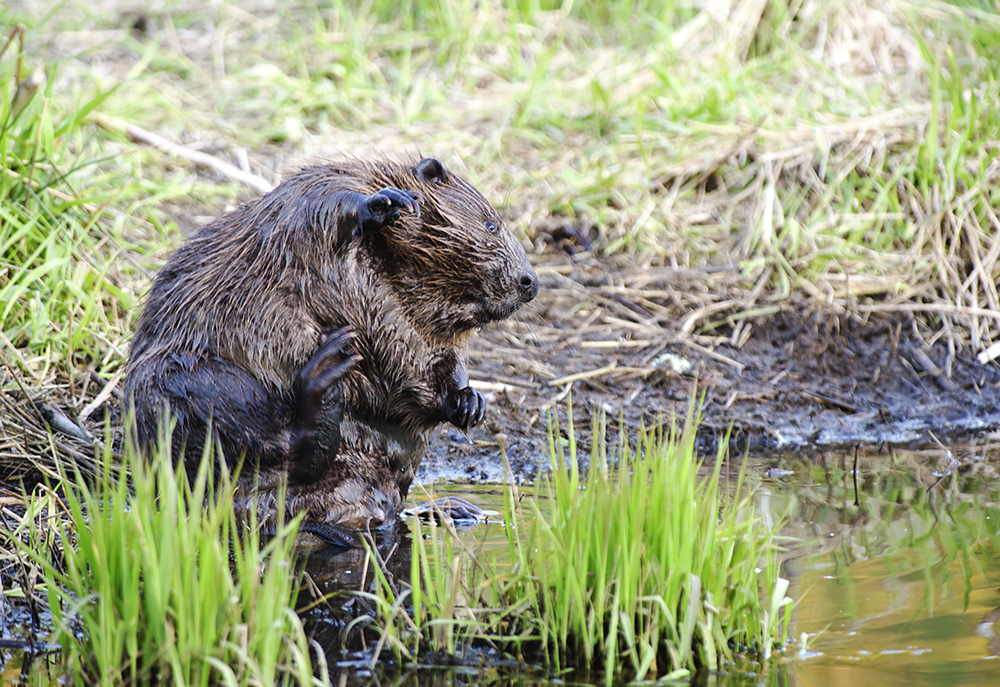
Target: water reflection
[
  {"x": 900, "y": 589},
  {"x": 337, "y": 618},
  {"x": 452, "y": 676}
]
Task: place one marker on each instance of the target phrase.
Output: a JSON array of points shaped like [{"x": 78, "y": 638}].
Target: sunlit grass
[
  {"x": 827, "y": 148},
  {"x": 832, "y": 149},
  {"x": 54, "y": 293},
  {"x": 151, "y": 580},
  {"x": 71, "y": 219},
  {"x": 646, "y": 566}
]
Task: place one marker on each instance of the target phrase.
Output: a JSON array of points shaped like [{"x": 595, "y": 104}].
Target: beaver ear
[{"x": 430, "y": 170}]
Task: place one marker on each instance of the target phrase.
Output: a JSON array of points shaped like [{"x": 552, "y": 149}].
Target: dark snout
[{"x": 527, "y": 284}]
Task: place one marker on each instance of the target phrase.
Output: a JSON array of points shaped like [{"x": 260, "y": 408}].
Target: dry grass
[{"x": 718, "y": 162}]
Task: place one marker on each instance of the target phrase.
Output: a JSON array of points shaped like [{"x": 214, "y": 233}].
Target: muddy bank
[
  {"x": 784, "y": 377},
  {"x": 634, "y": 343}
]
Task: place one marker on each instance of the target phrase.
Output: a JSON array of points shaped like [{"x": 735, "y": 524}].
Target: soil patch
[{"x": 636, "y": 343}]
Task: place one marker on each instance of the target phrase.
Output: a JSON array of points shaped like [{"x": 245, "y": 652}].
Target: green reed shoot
[
  {"x": 158, "y": 582},
  {"x": 647, "y": 564}
]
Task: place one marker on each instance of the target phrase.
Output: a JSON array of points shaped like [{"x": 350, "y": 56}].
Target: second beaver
[{"x": 319, "y": 334}]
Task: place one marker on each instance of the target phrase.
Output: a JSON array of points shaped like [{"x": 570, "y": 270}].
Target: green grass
[
  {"x": 151, "y": 580},
  {"x": 70, "y": 213},
  {"x": 54, "y": 290},
  {"x": 647, "y": 567},
  {"x": 841, "y": 151},
  {"x": 805, "y": 142},
  {"x": 652, "y": 567}
]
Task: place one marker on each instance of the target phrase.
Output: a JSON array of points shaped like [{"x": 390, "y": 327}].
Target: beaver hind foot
[{"x": 332, "y": 534}]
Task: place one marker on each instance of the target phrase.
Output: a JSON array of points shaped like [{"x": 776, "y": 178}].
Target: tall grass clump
[
  {"x": 52, "y": 277},
  {"x": 646, "y": 565},
  {"x": 69, "y": 210},
  {"x": 151, "y": 581}
]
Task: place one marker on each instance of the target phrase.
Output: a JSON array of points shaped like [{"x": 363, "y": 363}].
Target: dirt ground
[
  {"x": 785, "y": 378},
  {"x": 635, "y": 342}
]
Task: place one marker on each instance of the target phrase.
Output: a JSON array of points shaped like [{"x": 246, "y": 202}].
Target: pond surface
[{"x": 902, "y": 588}]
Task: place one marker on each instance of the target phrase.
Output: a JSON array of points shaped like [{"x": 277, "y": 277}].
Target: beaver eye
[{"x": 491, "y": 227}]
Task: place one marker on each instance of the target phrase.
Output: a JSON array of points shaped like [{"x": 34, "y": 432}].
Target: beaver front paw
[
  {"x": 320, "y": 405},
  {"x": 465, "y": 408},
  {"x": 382, "y": 208}
]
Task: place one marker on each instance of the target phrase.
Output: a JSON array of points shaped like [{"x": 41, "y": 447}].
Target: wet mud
[
  {"x": 782, "y": 378},
  {"x": 636, "y": 346}
]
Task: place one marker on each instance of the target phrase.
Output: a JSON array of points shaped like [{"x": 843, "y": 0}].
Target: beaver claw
[
  {"x": 383, "y": 207},
  {"x": 328, "y": 364},
  {"x": 465, "y": 408}
]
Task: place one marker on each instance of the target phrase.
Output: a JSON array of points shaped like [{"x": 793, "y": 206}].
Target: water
[{"x": 901, "y": 589}]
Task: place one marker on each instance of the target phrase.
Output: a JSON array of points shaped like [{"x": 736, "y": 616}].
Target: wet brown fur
[{"x": 241, "y": 308}]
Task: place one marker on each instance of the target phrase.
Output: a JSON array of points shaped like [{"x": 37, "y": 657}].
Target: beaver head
[{"x": 455, "y": 266}]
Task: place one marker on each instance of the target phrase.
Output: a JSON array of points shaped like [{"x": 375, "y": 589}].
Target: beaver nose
[{"x": 528, "y": 285}]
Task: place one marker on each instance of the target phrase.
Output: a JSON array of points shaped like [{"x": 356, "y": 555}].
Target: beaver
[{"x": 318, "y": 334}]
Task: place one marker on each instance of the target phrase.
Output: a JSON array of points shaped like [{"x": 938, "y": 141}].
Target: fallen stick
[
  {"x": 927, "y": 365},
  {"x": 101, "y": 398},
  {"x": 201, "y": 159},
  {"x": 589, "y": 374}
]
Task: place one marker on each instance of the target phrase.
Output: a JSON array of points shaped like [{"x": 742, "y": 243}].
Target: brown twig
[{"x": 198, "y": 158}]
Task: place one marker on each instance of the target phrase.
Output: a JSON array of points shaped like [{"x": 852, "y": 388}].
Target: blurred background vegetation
[
  {"x": 841, "y": 152},
  {"x": 845, "y": 152}
]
